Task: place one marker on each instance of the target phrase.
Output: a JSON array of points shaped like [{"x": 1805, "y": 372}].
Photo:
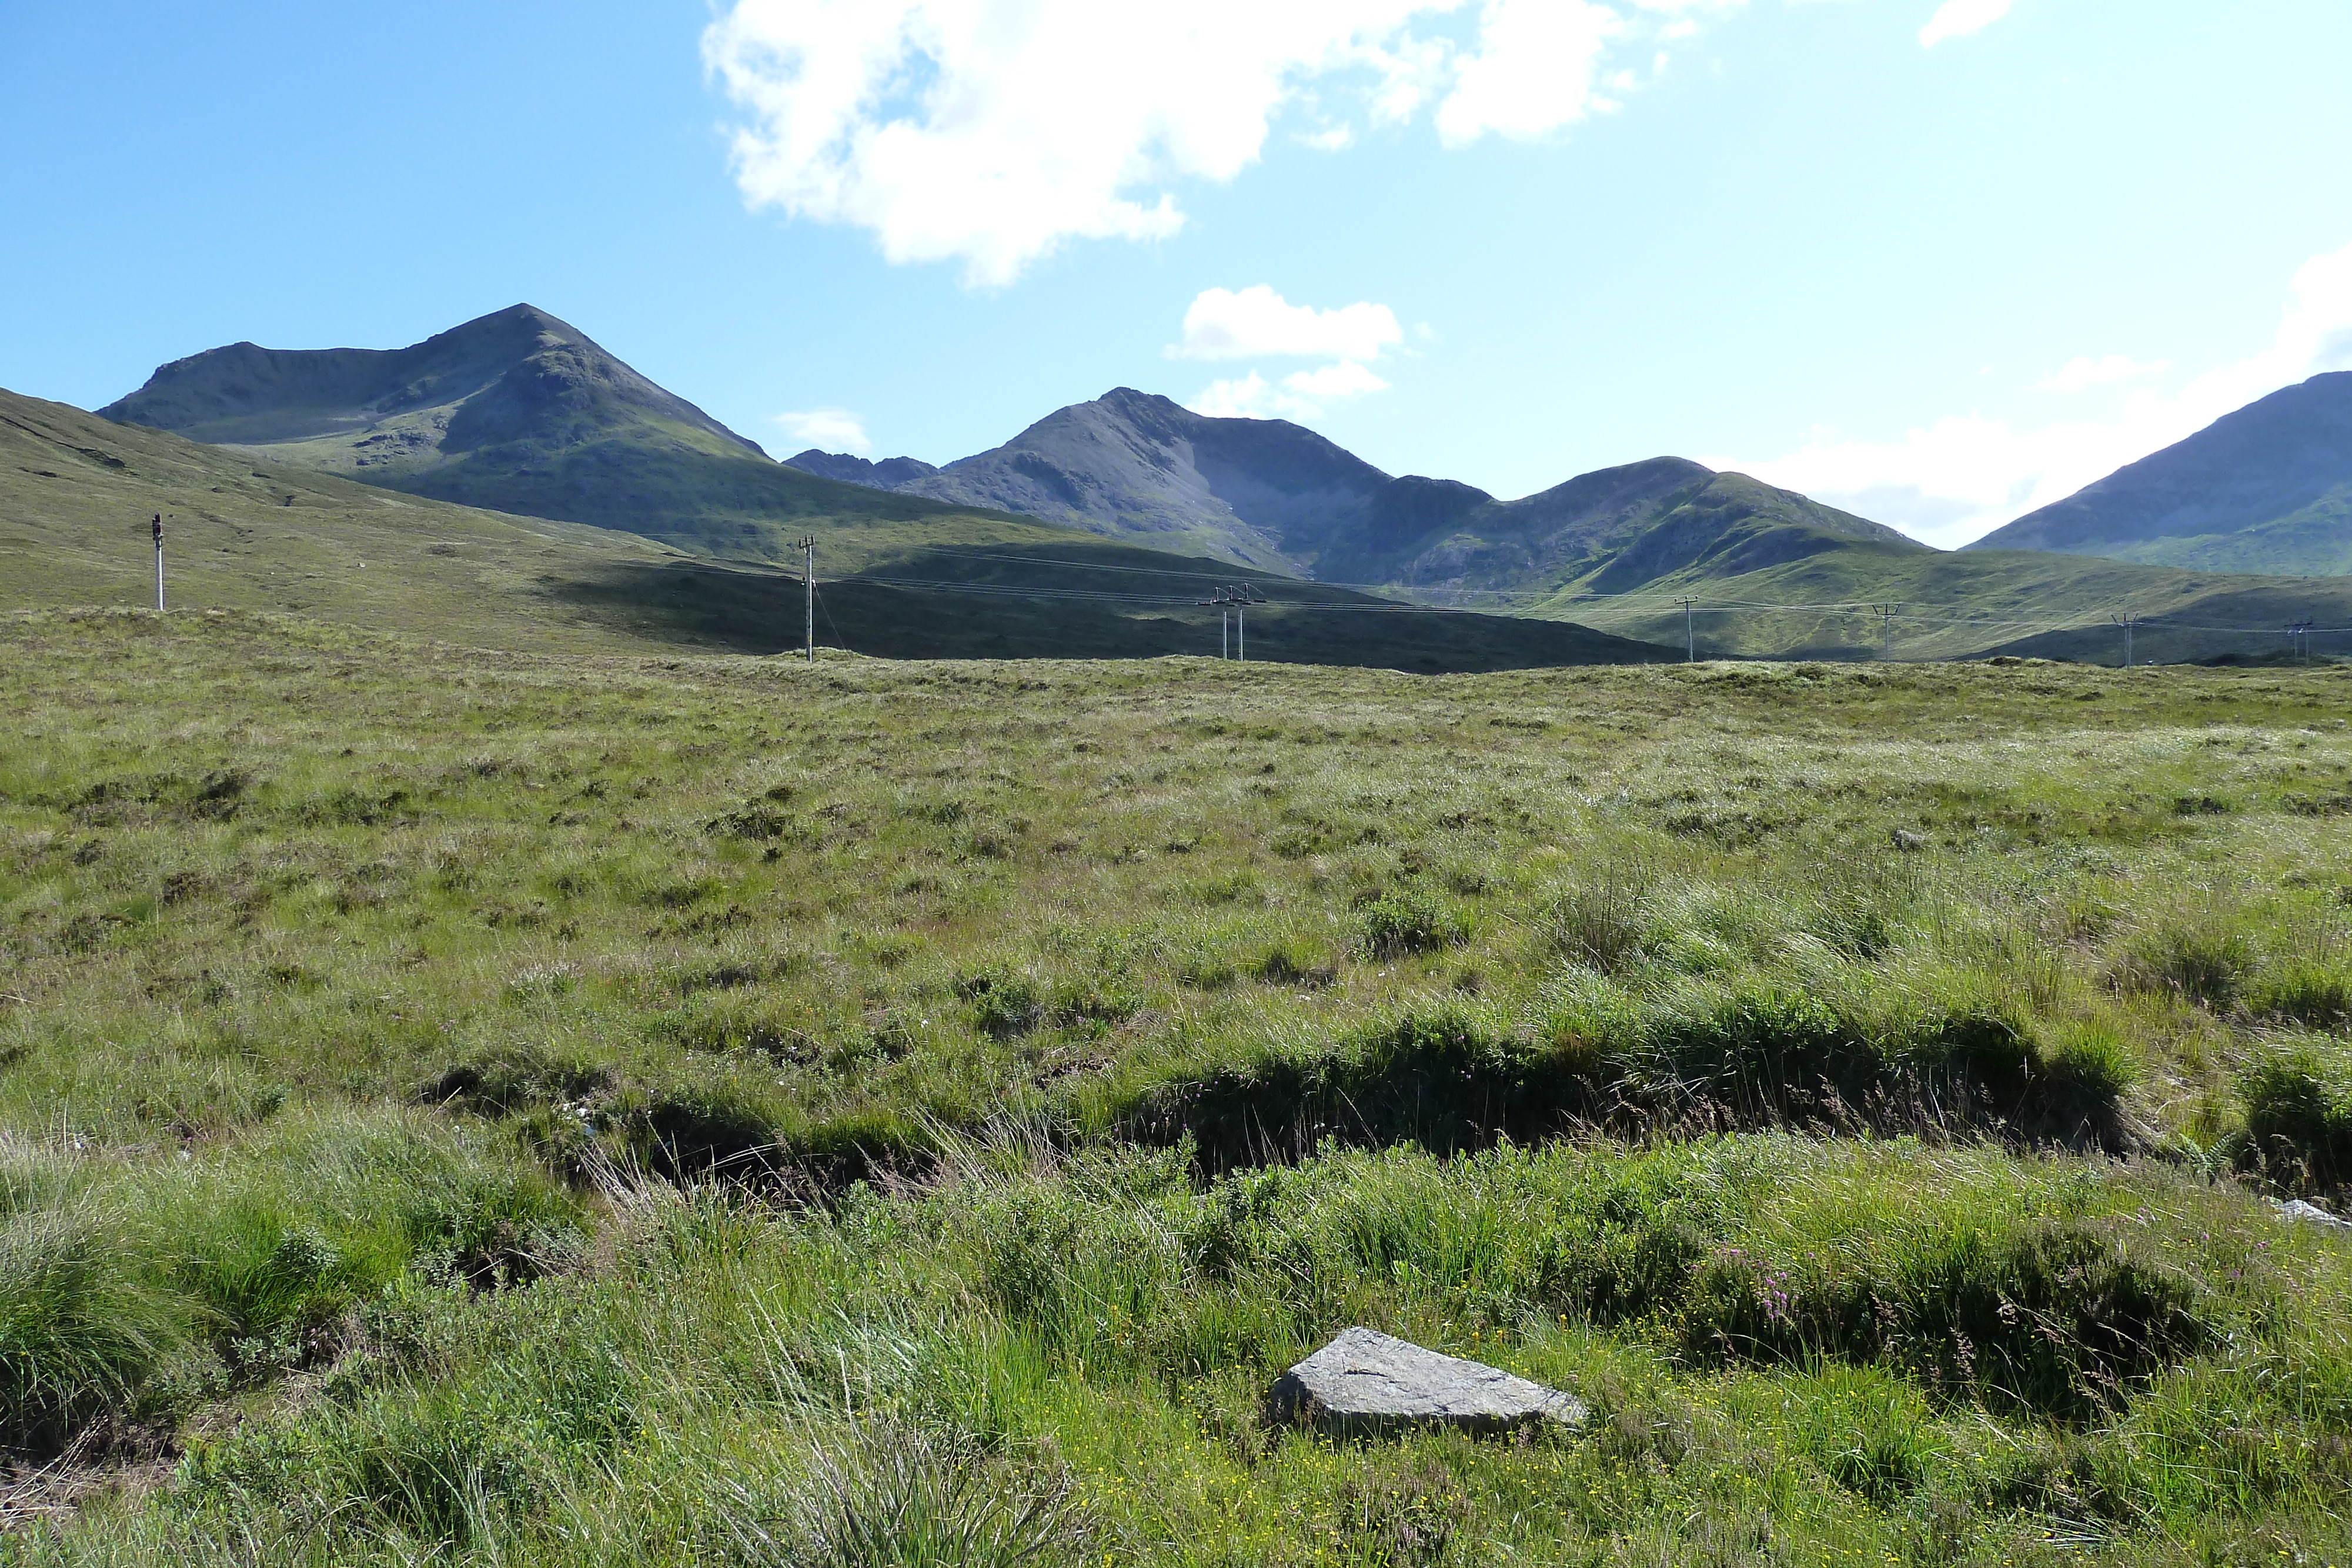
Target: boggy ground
[{"x": 471, "y": 1107}]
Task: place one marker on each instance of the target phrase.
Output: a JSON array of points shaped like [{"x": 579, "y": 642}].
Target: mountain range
[
  {"x": 441, "y": 487},
  {"x": 1272, "y": 494},
  {"x": 1129, "y": 508}
]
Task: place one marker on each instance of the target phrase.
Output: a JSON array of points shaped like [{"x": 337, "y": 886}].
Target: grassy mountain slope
[
  {"x": 1960, "y": 604},
  {"x": 1613, "y": 531},
  {"x": 2314, "y": 541},
  {"x": 2267, "y": 489},
  {"x": 75, "y": 492}
]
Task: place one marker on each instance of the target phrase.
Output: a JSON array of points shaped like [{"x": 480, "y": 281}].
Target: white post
[
  {"x": 808, "y": 583},
  {"x": 159, "y": 563}
]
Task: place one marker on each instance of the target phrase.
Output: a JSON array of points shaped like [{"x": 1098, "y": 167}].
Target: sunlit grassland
[{"x": 599, "y": 1110}]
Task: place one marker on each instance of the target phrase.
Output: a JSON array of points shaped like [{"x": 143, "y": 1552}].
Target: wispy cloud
[
  {"x": 1254, "y": 322},
  {"x": 1960, "y": 19},
  {"x": 1962, "y": 476},
  {"x": 833, "y": 429}
]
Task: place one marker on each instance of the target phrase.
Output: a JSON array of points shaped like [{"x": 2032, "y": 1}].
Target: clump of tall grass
[
  {"x": 84, "y": 1327},
  {"x": 2205, "y": 962},
  {"x": 2299, "y": 1121},
  {"x": 1606, "y": 917},
  {"x": 2304, "y": 990},
  {"x": 2058, "y": 1316},
  {"x": 1407, "y": 919},
  {"x": 171, "y": 1280},
  {"x": 890, "y": 1495}
]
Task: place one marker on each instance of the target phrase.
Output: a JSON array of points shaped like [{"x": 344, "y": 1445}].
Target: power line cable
[{"x": 829, "y": 621}]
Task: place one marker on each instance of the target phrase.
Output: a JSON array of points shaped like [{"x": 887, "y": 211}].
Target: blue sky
[{"x": 1936, "y": 261}]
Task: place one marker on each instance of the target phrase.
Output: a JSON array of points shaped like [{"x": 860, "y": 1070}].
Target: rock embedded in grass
[
  {"x": 1365, "y": 1384},
  {"x": 2296, "y": 1211}
]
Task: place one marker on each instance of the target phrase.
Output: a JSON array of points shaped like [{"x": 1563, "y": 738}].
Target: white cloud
[
  {"x": 1965, "y": 474},
  {"x": 1533, "y": 70},
  {"x": 991, "y": 131},
  {"x": 1249, "y": 397},
  {"x": 833, "y": 429},
  {"x": 2083, "y": 374},
  {"x": 1961, "y": 18},
  {"x": 1302, "y": 394},
  {"x": 1221, "y": 324},
  {"x": 1257, "y": 323}
]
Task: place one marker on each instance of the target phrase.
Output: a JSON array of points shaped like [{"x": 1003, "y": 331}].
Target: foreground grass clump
[
  {"x": 464, "y": 1107},
  {"x": 130, "y": 1291},
  {"x": 1066, "y": 1359}
]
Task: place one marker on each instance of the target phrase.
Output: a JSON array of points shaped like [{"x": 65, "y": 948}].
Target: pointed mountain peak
[{"x": 516, "y": 375}]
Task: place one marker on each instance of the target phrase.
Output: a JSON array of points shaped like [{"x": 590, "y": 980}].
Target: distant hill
[
  {"x": 77, "y": 492},
  {"x": 2266, "y": 489},
  {"x": 1615, "y": 530},
  {"x": 1264, "y": 492},
  {"x": 887, "y": 475},
  {"x": 1272, "y": 494}
]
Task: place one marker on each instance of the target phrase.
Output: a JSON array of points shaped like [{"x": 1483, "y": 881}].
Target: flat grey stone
[
  {"x": 2296, "y": 1209},
  {"x": 1365, "y": 1383}
]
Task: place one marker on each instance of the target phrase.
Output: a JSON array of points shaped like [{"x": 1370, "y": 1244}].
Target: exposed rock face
[
  {"x": 2301, "y": 1213},
  {"x": 1365, "y": 1383}
]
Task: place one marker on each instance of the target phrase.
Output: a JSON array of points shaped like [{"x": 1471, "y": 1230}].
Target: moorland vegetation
[{"x": 501, "y": 1108}]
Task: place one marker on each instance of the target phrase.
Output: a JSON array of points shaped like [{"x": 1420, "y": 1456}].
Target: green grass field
[{"x": 502, "y": 1108}]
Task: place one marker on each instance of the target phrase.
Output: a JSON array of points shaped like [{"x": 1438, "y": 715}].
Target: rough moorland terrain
[{"x": 491, "y": 1108}]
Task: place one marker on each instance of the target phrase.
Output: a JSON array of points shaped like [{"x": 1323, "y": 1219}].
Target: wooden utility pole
[
  {"x": 1886, "y": 629},
  {"x": 2127, "y": 623}
]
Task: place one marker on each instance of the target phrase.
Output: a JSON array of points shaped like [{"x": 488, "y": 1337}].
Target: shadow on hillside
[{"x": 745, "y": 610}]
